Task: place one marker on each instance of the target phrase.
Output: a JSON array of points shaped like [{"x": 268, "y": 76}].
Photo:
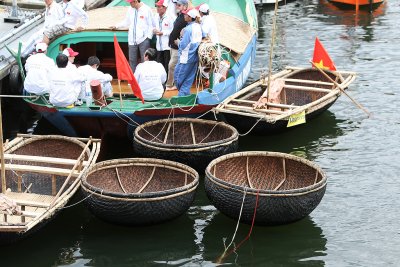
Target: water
[{"x": 356, "y": 223}]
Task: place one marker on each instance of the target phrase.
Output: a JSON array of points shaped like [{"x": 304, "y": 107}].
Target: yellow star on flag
[{"x": 320, "y": 65}]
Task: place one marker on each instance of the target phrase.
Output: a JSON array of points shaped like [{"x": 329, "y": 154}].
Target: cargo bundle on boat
[
  {"x": 139, "y": 191},
  {"x": 237, "y": 26},
  {"x": 42, "y": 173},
  {"x": 296, "y": 96},
  {"x": 194, "y": 142},
  {"x": 275, "y": 188}
]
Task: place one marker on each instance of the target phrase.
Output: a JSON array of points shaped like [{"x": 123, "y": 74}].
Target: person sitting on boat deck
[
  {"x": 139, "y": 19},
  {"x": 38, "y": 68},
  {"x": 52, "y": 14},
  {"x": 64, "y": 84},
  {"x": 71, "y": 54},
  {"x": 208, "y": 24},
  {"x": 151, "y": 76},
  {"x": 164, "y": 25},
  {"x": 72, "y": 13},
  {"x": 179, "y": 24},
  {"x": 91, "y": 72},
  {"x": 186, "y": 69}
]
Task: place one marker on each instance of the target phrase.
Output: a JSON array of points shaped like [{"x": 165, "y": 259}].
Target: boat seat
[{"x": 40, "y": 169}]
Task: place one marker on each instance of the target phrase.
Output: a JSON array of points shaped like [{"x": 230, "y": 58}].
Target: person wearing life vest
[
  {"x": 186, "y": 69},
  {"x": 72, "y": 13},
  {"x": 139, "y": 19},
  {"x": 151, "y": 76},
  {"x": 64, "y": 84},
  {"x": 52, "y": 15},
  {"x": 38, "y": 68},
  {"x": 164, "y": 25},
  {"x": 91, "y": 72},
  {"x": 174, "y": 37}
]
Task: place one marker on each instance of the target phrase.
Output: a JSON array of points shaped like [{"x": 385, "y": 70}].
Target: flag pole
[
  {"x": 271, "y": 50},
  {"x": 3, "y": 170},
  {"x": 341, "y": 89},
  {"x": 120, "y": 94}
]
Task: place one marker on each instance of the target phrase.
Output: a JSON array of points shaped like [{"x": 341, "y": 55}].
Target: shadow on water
[{"x": 297, "y": 244}]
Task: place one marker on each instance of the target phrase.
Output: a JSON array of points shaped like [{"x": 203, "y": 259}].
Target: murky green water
[{"x": 357, "y": 222}]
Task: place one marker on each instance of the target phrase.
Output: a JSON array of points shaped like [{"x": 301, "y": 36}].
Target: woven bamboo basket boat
[
  {"x": 139, "y": 191},
  {"x": 288, "y": 187},
  {"x": 42, "y": 173},
  {"x": 305, "y": 90},
  {"x": 193, "y": 142}
]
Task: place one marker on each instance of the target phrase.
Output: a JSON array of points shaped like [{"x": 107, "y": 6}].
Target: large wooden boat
[
  {"x": 305, "y": 90},
  {"x": 357, "y": 4},
  {"x": 42, "y": 173},
  {"x": 237, "y": 24}
]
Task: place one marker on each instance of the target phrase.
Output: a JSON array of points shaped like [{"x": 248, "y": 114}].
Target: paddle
[{"x": 341, "y": 89}]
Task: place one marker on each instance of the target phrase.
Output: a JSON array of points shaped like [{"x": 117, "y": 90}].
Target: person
[
  {"x": 72, "y": 13},
  {"x": 185, "y": 71},
  {"x": 171, "y": 9},
  {"x": 151, "y": 76},
  {"x": 179, "y": 24},
  {"x": 52, "y": 15},
  {"x": 64, "y": 84},
  {"x": 91, "y": 72},
  {"x": 71, "y": 54},
  {"x": 164, "y": 25},
  {"x": 139, "y": 19},
  {"x": 208, "y": 24},
  {"x": 38, "y": 68}
]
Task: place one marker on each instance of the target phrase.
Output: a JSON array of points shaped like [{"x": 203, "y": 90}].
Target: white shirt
[
  {"x": 209, "y": 28},
  {"x": 165, "y": 24},
  {"x": 65, "y": 86},
  {"x": 91, "y": 74},
  {"x": 140, "y": 23},
  {"x": 53, "y": 14},
  {"x": 171, "y": 10},
  {"x": 151, "y": 76},
  {"x": 38, "y": 68},
  {"x": 72, "y": 13}
]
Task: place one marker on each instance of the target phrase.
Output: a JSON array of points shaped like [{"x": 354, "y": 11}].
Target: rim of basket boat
[
  {"x": 186, "y": 148},
  {"x": 253, "y": 191},
  {"x": 32, "y": 139},
  {"x": 149, "y": 196}
]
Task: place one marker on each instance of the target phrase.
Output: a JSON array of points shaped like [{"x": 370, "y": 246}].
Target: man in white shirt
[
  {"x": 139, "y": 19},
  {"x": 38, "y": 68},
  {"x": 208, "y": 25},
  {"x": 151, "y": 76},
  {"x": 72, "y": 13},
  {"x": 52, "y": 15},
  {"x": 164, "y": 25},
  {"x": 91, "y": 73},
  {"x": 65, "y": 85},
  {"x": 71, "y": 54}
]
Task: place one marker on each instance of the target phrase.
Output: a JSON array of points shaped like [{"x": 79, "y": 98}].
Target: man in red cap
[
  {"x": 139, "y": 19},
  {"x": 164, "y": 25},
  {"x": 71, "y": 54}
]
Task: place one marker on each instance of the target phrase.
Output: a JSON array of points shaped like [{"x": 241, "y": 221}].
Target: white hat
[
  {"x": 41, "y": 47},
  {"x": 193, "y": 13},
  {"x": 204, "y": 8}
]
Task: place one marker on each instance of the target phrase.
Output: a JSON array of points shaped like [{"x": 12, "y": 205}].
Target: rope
[
  {"x": 80, "y": 201},
  {"x": 252, "y": 127}
]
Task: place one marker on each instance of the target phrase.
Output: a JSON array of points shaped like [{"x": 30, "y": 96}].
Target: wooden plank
[
  {"x": 30, "y": 199},
  {"x": 267, "y": 104},
  {"x": 307, "y": 88},
  {"x": 252, "y": 110},
  {"x": 307, "y": 81},
  {"x": 39, "y": 169},
  {"x": 11, "y": 228},
  {"x": 23, "y": 214},
  {"x": 60, "y": 161}
]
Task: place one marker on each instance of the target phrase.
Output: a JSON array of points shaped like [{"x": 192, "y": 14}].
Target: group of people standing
[{"x": 179, "y": 29}]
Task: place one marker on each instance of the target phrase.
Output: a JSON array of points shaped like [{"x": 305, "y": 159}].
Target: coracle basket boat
[
  {"x": 139, "y": 191},
  {"x": 193, "y": 142},
  {"x": 42, "y": 173},
  {"x": 283, "y": 187}
]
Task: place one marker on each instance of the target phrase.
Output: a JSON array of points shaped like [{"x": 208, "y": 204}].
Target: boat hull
[{"x": 351, "y": 4}]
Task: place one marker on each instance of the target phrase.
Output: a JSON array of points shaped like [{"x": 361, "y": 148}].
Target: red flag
[
  {"x": 124, "y": 71},
  {"x": 321, "y": 58}
]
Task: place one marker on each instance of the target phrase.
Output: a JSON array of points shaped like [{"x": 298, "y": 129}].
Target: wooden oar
[{"x": 341, "y": 89}]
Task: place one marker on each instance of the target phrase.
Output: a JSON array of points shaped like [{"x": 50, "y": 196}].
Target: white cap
[
  {"x": 41, "y": 47},
  {"x": 193, "y": 13},
  {"x": 204, "y": 8}
]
